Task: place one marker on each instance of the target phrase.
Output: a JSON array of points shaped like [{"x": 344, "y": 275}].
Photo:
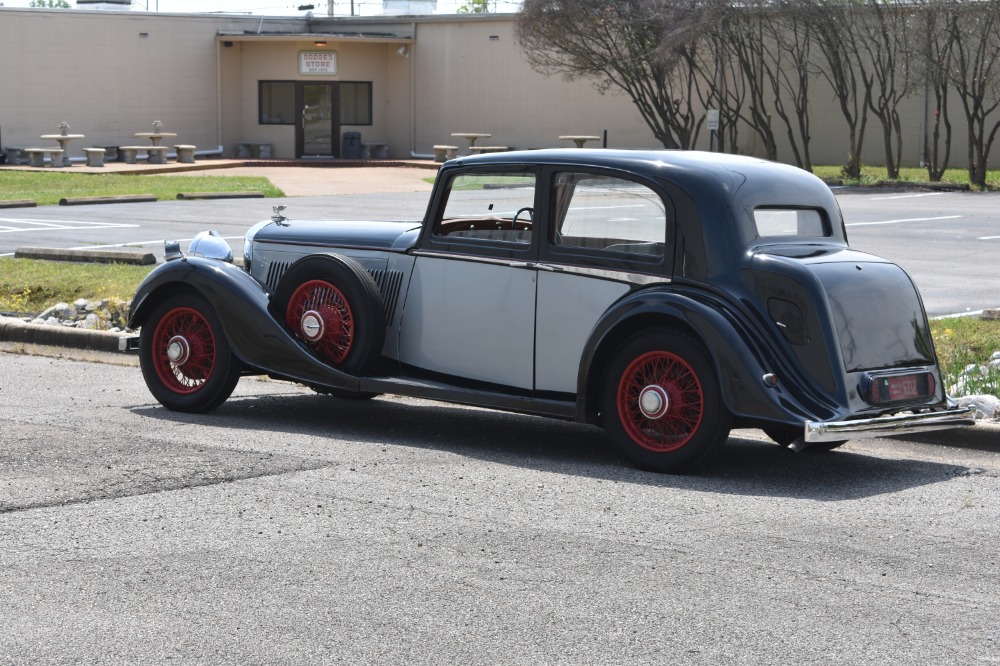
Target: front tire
[
  {"x": 661, "y": 403},
  {"x": 186, "y": 361}
]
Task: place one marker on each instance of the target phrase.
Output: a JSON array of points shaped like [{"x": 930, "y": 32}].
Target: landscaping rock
[{"x": 987, "y": 406}]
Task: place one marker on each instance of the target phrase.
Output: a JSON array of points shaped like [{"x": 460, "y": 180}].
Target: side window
[
  {"x": 608, "y": 214},
  {"x": 489, "y": 206}
]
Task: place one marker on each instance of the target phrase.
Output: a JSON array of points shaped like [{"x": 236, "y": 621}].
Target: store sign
[{"x": 318, "y": 62}]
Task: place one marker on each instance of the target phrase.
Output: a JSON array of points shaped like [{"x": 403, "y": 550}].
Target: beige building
[{"x": 308, "y": 87}]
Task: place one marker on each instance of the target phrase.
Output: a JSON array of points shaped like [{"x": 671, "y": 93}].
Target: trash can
[{"x": 351, "y": 146}]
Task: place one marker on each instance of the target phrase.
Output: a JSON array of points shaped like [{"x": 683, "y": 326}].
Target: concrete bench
[
  {"x": 15, "y": 155},
  {"x": 248, "y": 149},
  {"x": 154, "y": 154},
  {"x": 478, "y": 150},
  {"x": 95, "y": 156},
  {"x": 442, "y": 153},
  {"x": 185, "y": 154},
  {"x": 36, "y": 156},
  {"x": 374, "y": 149}
]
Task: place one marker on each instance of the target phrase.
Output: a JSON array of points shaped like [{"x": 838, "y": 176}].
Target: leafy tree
[
  {"x": 50, "y": 4},
  {"x": 475, "y": 7}
]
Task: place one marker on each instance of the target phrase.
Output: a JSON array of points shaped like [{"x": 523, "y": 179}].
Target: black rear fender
[{"x": 740, "y": 366}]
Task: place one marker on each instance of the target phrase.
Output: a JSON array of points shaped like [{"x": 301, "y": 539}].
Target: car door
[
  {"x": 470, "y": 306},
  {"x": 607, "y": 235}
]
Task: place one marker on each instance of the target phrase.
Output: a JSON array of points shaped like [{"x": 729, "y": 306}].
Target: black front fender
[{"x": 241, "y": 303}]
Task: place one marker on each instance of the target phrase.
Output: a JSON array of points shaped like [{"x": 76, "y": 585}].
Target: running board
[{"x": 432, "y": 390}]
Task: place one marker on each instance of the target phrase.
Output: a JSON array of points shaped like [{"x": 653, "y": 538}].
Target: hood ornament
[{"x": 277, "y": 217}]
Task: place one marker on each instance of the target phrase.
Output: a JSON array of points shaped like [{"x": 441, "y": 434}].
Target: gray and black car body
[{"x": 666, "y": 296}]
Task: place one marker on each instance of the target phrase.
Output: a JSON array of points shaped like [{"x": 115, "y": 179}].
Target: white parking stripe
[
  {"x": 55, "y": 225},
  {"x": 912, "y": 219},
  {"x": 908, "y": 196}
]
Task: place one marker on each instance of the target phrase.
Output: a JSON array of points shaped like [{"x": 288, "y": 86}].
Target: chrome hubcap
[
  {"x": 653, "y": 402},
  {"x": 178, "y": 350},
  {"x": 312, "y": 326}
]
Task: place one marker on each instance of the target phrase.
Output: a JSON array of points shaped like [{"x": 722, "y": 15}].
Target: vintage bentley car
[{"x": 666, "y": 296}]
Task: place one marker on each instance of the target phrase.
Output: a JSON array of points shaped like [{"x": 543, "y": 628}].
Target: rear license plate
[{"x": 902, "y": 388}]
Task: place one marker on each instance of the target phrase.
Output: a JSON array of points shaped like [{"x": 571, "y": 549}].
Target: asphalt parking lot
[{"x": 290, "y": 527}]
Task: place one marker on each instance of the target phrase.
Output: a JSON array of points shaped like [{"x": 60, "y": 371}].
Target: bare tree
[
  {"x": 833, "y": 23},
  {"x": 933, "y": 57},
  {"x": 743, "y": 32},
  {"x": 881, "y": 44},
  {"x": 646, "y": 48},
  {"x": 788, "y": 65},
  {"x": 975, "y": 48}
]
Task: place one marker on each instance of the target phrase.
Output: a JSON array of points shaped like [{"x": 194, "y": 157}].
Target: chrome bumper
[{"x": 835, "y": 431}]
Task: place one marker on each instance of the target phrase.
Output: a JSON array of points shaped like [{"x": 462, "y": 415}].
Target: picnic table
[
  {"x": 63, "y": 139},
  {"x": 471, "y": 136},
  {"x": 579, "y": 139}
]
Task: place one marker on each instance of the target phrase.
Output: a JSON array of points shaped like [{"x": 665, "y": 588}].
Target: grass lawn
[
  {"x": 871, "y": 175},
  {"x": 47, "y": 188}
]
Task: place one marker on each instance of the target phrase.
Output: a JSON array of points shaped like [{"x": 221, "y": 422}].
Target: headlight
[{"x": 210, "y": 245}]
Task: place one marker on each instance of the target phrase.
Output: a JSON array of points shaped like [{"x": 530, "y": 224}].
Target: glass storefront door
[{"x": 319, "y": 119}]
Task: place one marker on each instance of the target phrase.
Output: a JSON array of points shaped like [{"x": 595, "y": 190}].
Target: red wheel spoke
[
  {"x": 319, "y": 314},
  {"x": 187, "y": 333},
  {"x": 661, "y": 431}
]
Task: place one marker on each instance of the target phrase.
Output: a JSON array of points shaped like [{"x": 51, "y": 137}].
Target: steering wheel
[{"x": 531, "y": 216}]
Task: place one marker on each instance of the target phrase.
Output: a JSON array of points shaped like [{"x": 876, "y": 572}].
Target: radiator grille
[
  {"x": 388, "y": 283},
  {"x": 274, "y": 273}
]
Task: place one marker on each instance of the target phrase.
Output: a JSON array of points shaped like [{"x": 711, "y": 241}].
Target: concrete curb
[
  {"x": 15, "y": 330},
  {"x": 18, "y": 203},
  {"x": 220, "y": 195},
  {"x": 132, "y": 257},
  {"x": 123, "y": 198}
]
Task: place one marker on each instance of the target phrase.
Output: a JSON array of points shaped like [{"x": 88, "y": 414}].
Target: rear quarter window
[{"x": 791, "y": 223}]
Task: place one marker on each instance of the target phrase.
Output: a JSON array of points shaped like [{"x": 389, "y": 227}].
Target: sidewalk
[{"x": 296, "y": 178}]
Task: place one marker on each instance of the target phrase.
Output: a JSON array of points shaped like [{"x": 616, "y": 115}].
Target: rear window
[{"x": 790, "y": 222}]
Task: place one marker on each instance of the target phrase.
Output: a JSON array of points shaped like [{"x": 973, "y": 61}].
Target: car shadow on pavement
[{"x": 745, "y": 466}]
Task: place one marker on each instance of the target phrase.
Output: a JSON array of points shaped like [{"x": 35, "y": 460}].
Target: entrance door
[{"x": 318, "y": 108}]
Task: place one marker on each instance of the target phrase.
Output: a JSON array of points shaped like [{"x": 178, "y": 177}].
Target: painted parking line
[
  {"x": 143, "y": 243},
  {"x": 911, "y": 219},
  {"x": 907, "y": 196},
  {"x": 13, "y": 225}
]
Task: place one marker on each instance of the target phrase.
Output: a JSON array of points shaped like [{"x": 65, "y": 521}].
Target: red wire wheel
[
  {"x": 320, "y": 314},
  {"x": 660, "y": 401},
  {"x": 334, "y": 306},
  {"x": 186, "y": 360},
  {"x": 184, "y": 350}
]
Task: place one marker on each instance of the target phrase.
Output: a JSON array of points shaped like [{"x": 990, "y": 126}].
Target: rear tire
[
  {"x": 661, "y": 403},
  {"x": 186, "y": 361}
]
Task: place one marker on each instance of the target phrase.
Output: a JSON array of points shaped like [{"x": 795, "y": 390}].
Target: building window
[
  {"x": 356, "y": 103},
  {"x": 277, "y": 102}
]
